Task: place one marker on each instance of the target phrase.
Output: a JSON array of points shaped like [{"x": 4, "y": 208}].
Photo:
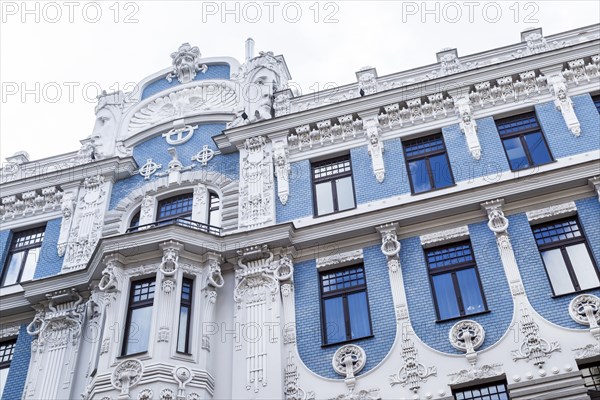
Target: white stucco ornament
[{"x": 186, "y": 63}]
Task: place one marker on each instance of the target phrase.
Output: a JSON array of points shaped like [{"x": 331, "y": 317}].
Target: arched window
[
  {"x": 179, "y": 206},
  {"x": 214, "y": 210},
  {"x": 135, "y": 222}
]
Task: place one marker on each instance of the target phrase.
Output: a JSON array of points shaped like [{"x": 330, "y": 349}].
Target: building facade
[{"x": 429, "y": 234}]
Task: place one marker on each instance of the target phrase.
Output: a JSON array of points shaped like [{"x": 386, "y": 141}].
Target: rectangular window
[
  {"x": 344, "y": 305},
  {"x": 176, "y": 207},
  {"x": 7, "y": 350},
  {"x": 333, "y": 189},
  {"x": 428, "y": 164},
  {"x": 23, "y": 255},
  {"x": 596, "y": 100},
  {"x": 523, "y": 140},
  {"x": 185, "y": 317},
  {"x": 567, "y": 257},
  {"x": 455, "y": 280},
  {"x": 494, "y": 391},
  {"x": 591, "y": 378},
  {"x": 214, "y": 210},
  {"x": 139, "y": 317}
]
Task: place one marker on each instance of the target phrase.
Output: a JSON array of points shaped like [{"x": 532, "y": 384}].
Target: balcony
[{"x": 186, "y": 223}]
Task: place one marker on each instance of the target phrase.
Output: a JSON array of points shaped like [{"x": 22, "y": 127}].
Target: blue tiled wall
[
  {"x": 308, "y": 323},
  {"x": 366, "y": 187},
  {"x": 561, "y": 141},
  {"x": 5, "y": 237},
  {"x": 464, "y": 166},
  {"x": 214, "y": 71},
  {"x": 531, "y": 266},
  {"x": 300, "y": 202},
  {"x": 19, "y": 365},
  {"x": 156, "y": 148},
  {"x": 495, "y": 286},
  {"x": 49, "y": 262}
]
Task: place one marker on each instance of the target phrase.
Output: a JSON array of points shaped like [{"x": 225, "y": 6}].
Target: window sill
[
  {"x": 467, "y": 316},
  {"x": 335, "y": 212},
  {"x": 531, "y": 167},
  {"x": 433, "y": 190},
  {"x": 576, "y": 293},
  {"x": 346, "y": 341},
  {"x": 11, "y": 289},
  {"x": 133, "y": 355}
]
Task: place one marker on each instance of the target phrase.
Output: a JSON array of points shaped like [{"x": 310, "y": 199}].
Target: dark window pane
[
  {"x": 423, "y": 146},
  {"x": 324, "y": 195},
  {"x": 496, "y": 391},
  {"x": 139, "y": 330},
  {"x": 470, "y": 291},
  {"x": 177, "y": 206},
  {"x": 515, "y": 124},
  {"x": 419, "y": 175},
  {"x": 442, "y": 176},
  {"x": 597, "y": 102},
  {"x": 556, "y": 231},
  {"x": 335, "y": 326},
  {"x": 359, "y": 315},
  {"x": 340, "y": 279},
  {"x": 7, "y": 350},
  {"x": 345, "y": 193},
  {"x": 515, "y": 153},
  {"x": 537, "y": 148},
  {"x": 448, "y": 256},
  {"x": 445, "y": 296}
]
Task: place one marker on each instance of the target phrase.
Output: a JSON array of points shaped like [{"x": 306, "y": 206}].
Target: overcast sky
[{"x": 53, "y": 50}]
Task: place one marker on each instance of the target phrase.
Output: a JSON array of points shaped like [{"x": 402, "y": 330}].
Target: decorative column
[
  {"x": 199, "y": 205},
  {"x": 468, "y": 125},
  {"x": 498, "y": 224},
  {"x": 372, "y": 132},
  {"x": 563, "y": 103},
  {"x": 67, "y": 206},
  {"x": 111, "y": 285},
  {"x": 167, "y": 295},
  {"x": 147, "y": 210},
  {"x": 390, "y": 247},
  {"x": 258, "y": 352},
  {"x": 57, "y": 331},
  {"x": 257, "y": 203},
  {"x": 214, "y": 281},
  {"x": 87, "y": 221},
  {"x": 282, "y": 169}
]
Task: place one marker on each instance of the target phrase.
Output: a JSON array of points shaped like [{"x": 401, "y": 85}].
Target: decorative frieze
[
  {"x": 31, "y": 203},
  {"x": 445, "y": 236},
  {"x": 505, "y": 89},
  {"x": 256, "y": 202},
  {"x": 555, "y": 211},
  {"x": 9, "y": 331},
  {"x": 578, "y": 72},
  {"x": 338, "y": 258},
  {"x": 325, "y": 133},
  {"x": 416, "y": 111},
  {"x": 476, "y": 373},
  {"x": 363, "y": 394},
  {"x": 533, "y": 348},
  {"x": 449, "y": 62},
  {"x": 367, "y": 81}
]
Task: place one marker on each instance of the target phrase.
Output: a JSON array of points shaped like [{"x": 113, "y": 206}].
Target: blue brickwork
[
  {"x": 531, "y": 266},
  {"x": 308, "y": 322},
  {"x": 366, "y": 187},
  {"x": 215, "y": 71},
  {"x": 49, "y": 263},
  {"x": 420, "y": 300},
  {"x": 300, "y": 202},
  {"x": 561, "y": 141},
  {"x": 156, "y": 148},
  {"x": 464, "y": 167},
  {"x": 17, "y": 375},
  {"x": 5, "y": 237}
]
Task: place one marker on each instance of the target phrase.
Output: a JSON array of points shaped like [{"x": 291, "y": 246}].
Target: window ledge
[
  {"x": 11, "y": 289},
  {"x": 576, "y": 293},
  {"x": 346, "y": 341},
  {"x": 433, "y": 190},
  {"x": 467, "y": 316},
  {"x": 531, "y": 167}
]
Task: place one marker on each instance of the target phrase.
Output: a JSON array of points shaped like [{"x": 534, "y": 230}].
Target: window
[
  {"x": 523, "y": 141},
  {"x": 135, "y": 222},
  {"x": 428, "y": 164},
  {"x": 23, "y": 256},
  {"x": 7, "y": 350},
  {"x": 455, "y": 281},
  {"x": 591, "y": 378},
  {"x": 344, "y": 305},
  {"x": 596, "y": 100},
  {"x": 566, "y": 256},
  {"x": 176, "y": 207},
  {"x": 185, "y": 315},
  {"x": 333, "y": 189},
  {"x": 214, "y": 210},
  {"x": 494, "y": 391},
  {"x": 139, "y": 317}
]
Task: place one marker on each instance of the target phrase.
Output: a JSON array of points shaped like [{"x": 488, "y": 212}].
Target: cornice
[{"x": 112, "y": 168}]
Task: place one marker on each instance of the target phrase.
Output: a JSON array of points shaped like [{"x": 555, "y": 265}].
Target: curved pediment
[{"x": 205, "y": 97}]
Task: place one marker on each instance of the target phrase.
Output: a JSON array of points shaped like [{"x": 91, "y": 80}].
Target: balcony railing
[{"x": 186, "y": 223}]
